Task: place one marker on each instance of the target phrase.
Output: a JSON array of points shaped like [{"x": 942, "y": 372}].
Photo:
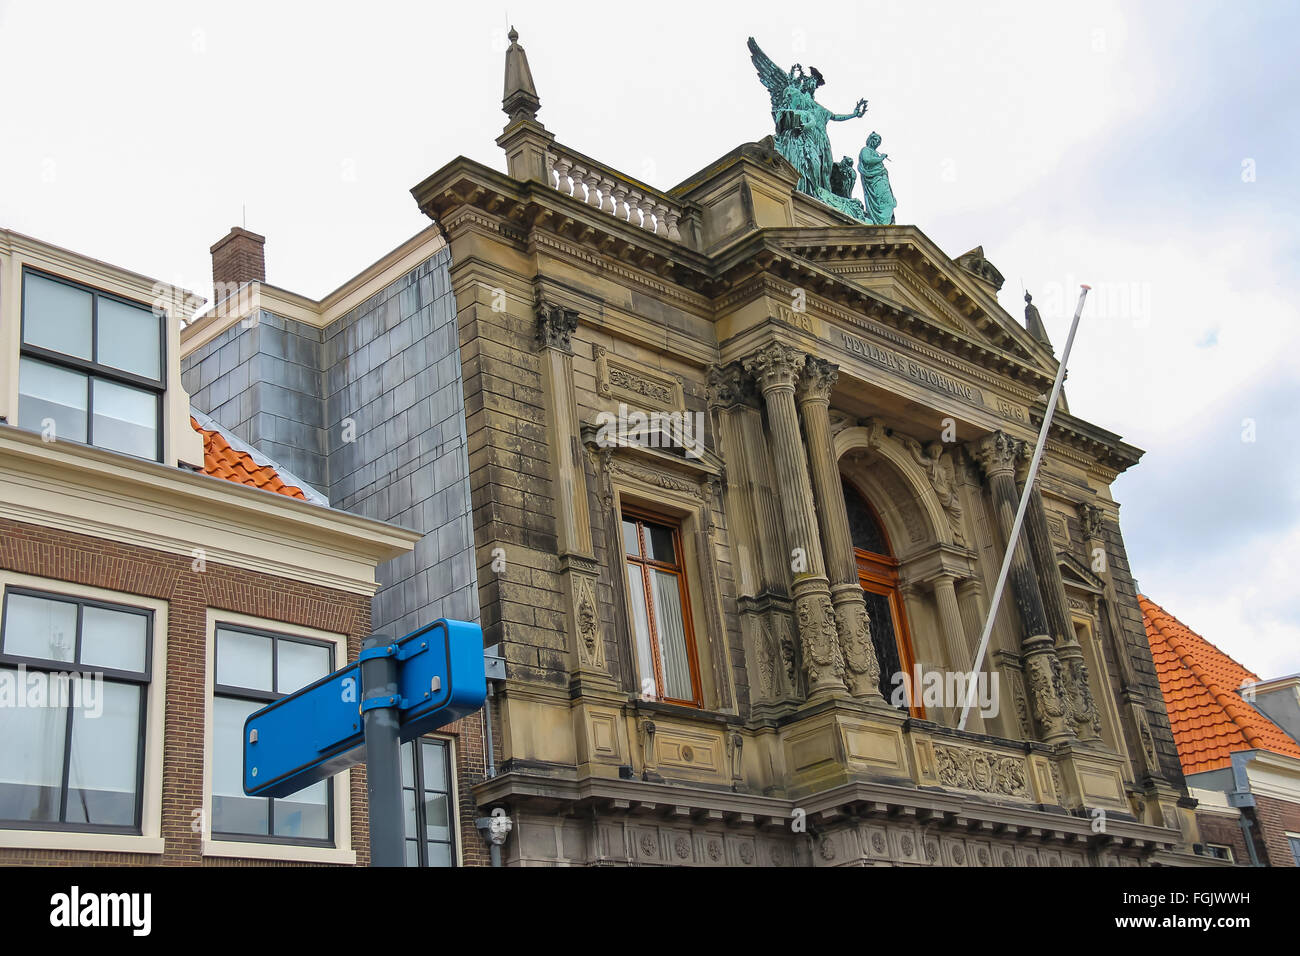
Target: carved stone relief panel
[
  {"x": 623, "y": 380},
  {"x": 964, "y": 768}
]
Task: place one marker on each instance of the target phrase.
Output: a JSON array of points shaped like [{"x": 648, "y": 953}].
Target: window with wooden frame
[
  {"x": 878, "y": 575},
  {"x": 660, "y": 608}
]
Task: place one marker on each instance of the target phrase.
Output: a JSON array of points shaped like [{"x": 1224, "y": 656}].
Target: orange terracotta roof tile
[
  {"x": 1200, "y": 683},
  {"x": 222, "y": 461}
]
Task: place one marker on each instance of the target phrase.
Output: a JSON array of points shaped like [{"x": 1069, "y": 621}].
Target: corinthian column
[
  {"x": 997, "y": 454},
  {"x": 851, "y": 618},
  {"x": 1081, "y": 707},
  {"x": 776, "y": 368}
]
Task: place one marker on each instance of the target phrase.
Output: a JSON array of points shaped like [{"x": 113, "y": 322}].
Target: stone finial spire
[
  {"x": 520, "y": 100},
  {"x": 1034, "y": 322}
]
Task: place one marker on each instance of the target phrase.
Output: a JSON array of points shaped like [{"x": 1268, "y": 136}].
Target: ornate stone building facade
[{"x": 704, "y": 641}]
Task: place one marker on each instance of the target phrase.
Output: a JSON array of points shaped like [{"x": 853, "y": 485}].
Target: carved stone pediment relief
[
  {"x": 1075, "y": 574},
  {"x": 657, "y": 445},
  {"x": 924, "y": 280},
  {"x": 979, "y": 771},
  {"x": 623, "y": 380}
]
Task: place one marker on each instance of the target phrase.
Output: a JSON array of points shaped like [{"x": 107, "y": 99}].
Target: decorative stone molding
[
  {"x": 1090, "y": 518},
  {"x": 840, "y": 421},
  {"x": 619, "y": 379},
  {"x": 963, "y": 768},
  {"x": 730, "y": 385},
  {"x": 1079, "y": 701},
  {"x": 735, "y": 750},
  {"x": 591, "y": 648},
  {"x": 854, "y": 626},
  {"x": 776, "y": 366},
  {"x": 647, "y": 474},
  {"x": 823, "y": 662},
  {"x": 555, "y": 326},
  {"x": 1045, "y": 688},
  {"x": 938, "y": 468},
  {"x": 769, "y": 659},
  {"x": 997, "y": 453},
  {"x": 818, "y": 378}
]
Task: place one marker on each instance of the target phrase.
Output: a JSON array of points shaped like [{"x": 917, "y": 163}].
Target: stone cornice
[
  {"x": 539, "y": 215},
  {"x": 1098, "y": 445},
  {"x": 911, "y": 245},
  {"x": 765, "y": 283}
]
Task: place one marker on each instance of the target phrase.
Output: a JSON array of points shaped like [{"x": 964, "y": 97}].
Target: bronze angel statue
[{"x": 801, "y": 130}]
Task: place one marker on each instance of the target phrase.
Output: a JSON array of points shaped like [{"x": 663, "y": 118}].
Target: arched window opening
[{"x": 878, "y": 575}]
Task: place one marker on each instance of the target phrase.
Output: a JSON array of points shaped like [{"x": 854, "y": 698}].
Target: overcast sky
[{"x": 1147, "y": 149}]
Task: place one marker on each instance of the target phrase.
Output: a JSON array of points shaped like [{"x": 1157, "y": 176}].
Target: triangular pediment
[
  {"x": 1076, "y": 574},
  {"x": 903, "y": 267}
]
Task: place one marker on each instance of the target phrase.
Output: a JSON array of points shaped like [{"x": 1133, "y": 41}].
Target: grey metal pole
[
  {"x": 379, "y": 702},
  {"x": 1014, "y": 539}
]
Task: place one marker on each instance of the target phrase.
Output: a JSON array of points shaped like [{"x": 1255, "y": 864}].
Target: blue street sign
[{"x": 317, "y": 731}]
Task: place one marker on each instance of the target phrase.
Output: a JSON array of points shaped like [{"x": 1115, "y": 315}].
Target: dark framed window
[
  {"x": 668, "y": 666},
  {"x": 429, "y": 802},
  {"x": 878, "y": 575},
  {"x": 90, "y": 367},
  {"x": 77, "y": 673},
  {"x": 1295, "y": 848},
  {"x": 252, "y": 668}
]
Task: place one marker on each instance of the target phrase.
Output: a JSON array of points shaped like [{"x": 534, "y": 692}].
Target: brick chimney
[{"x": 238, "y": 257}]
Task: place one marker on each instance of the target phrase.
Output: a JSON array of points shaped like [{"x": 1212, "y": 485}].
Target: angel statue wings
[{"x": 801, "y": 123}]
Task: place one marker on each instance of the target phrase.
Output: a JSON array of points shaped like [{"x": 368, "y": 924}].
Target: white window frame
[
  {"x": 150, "y": 839},
  {"x": 342, "y": 852},
  {"x": 1230, "y": 856}
]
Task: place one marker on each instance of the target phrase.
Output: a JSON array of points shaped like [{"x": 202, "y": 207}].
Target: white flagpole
[{"x": 1020, "y": 512}]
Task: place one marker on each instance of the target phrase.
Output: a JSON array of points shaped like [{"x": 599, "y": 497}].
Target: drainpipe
[
  {"x": 1241, "y": 798},
  {"x": 495, "y": 828}
]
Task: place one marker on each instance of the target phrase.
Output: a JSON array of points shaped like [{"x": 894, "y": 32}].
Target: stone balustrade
[{"x": 601, "y": 187}]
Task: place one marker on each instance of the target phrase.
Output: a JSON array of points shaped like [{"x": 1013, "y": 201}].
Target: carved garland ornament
[
  {"x": 822, "y": 661},
  {"x": 858, "y": 651},
  {"x": 555, "y": 326},
  {"x": 591, "y": 648},
  {"x": 966, "y": 769}
]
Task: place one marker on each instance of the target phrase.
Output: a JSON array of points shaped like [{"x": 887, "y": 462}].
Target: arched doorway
[{"x": 878, "y": 575}]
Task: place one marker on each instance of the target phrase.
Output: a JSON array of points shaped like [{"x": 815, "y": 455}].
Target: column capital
[
  {"x": 1090, "y": 518},
  {"x": 775, "y": 366},
  {"x": 818, "y": 378},
  {"x": 731, "y": 385},
  {"x": 997, "y": 453},
  {"x": 939, "y": 579},
  {"x": 555, "y": 326}
]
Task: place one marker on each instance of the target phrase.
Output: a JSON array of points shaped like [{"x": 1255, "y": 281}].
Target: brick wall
[
  {"x": 63, "y": 556},
  {"x": 238, "y": 257},
  {"x": 1275, "y": 817},
  {"x": 1225, "y": 831}
]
